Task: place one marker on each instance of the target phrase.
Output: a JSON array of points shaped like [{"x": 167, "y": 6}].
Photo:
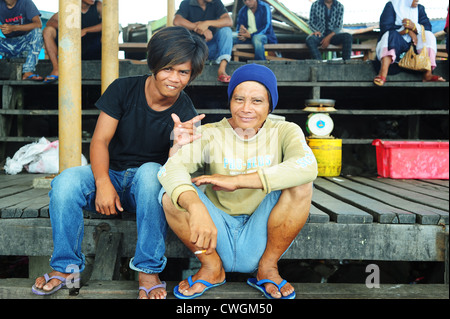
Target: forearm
[
  {"x": 182, "y": 22},
  {"x": 93, "y": 29},
  {"x": 99, "y": 156}
]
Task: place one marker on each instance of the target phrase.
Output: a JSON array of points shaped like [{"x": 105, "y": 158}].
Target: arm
[
  {"x": 95, "y": 28},
  {"x": 106, "y": 199},
  {"x": 35, "y": 24}
]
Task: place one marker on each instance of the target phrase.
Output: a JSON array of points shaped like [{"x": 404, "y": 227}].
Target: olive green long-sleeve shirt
[{"x": 278, "y": 153}]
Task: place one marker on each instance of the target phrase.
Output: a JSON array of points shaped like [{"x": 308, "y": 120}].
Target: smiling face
[
  {"x": 249, "y": 106},
  {"x": 171, "y": 81}
]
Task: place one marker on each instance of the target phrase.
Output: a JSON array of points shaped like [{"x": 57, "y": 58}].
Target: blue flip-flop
[
  {"x": 51, "y": 79},
  {"x": 34, "y": 75},
  {"x": 42, "y": 292},
  {"x": 260, "y": 286},
  {"x": 208, "y": 285}
]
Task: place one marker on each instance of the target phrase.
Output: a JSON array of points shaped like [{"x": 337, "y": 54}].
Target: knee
[
  {"x": 49, "y": 33},
  {"x": 66, "y": 185},
  {"x": 311, "y": 41},
  {"x": 146, "y": 177},
  {"x": 298, "y": 194}
]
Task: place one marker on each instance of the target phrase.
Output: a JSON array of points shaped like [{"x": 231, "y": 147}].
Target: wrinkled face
[
  {"x": 415, "y": 3},
  {"x": 249, "y": 106},
  {"x": 172, "y": 80}
]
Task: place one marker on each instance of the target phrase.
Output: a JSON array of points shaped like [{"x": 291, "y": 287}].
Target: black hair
[{"x": 176, "y": 45}]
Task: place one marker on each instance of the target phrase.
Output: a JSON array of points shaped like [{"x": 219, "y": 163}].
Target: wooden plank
[
  {"x": 107, "y": 257},
  {"x": 339, "y": 211},
  {"x": 393, "y": 186},
  {"x": 317, "y": 216},
  {"x": 381, "y": 212},
  {"x": 19, "y": 288},
  {"x": 433, "y": 191},
  {"x": 4, "y": 192},
  {"x": 424, "y": 214},
  {"x": 425, "y": 204},
  {"x": 13, "y": 206},
  {"x": 437, "y": 182},
  {"x": 33, "y": 237},
  {"x": 403, "y": 215}
]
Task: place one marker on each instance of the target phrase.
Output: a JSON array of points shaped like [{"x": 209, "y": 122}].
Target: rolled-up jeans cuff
[
  {"x": 223, "y": 57},
  {"x": 147, "y": 271}
]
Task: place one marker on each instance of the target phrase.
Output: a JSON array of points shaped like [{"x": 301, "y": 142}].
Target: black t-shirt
[
  {"x": 190, "y": 10},
  {"x": 142, "y": 135}
]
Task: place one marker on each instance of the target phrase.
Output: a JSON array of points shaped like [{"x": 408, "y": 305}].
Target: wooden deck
[
  {"x": 352, "y": 218},
  {"x": 21, "y": 289}
]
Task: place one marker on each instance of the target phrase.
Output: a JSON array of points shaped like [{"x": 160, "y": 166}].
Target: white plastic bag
[{"x": 37, "y": 157}]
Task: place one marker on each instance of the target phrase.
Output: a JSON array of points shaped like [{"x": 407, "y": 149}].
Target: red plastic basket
[{"x": 408, "y": 159}]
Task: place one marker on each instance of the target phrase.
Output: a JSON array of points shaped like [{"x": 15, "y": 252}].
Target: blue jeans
[
  {"x": 74, "y": 191},
  {"x": 313, "y": 43},
  {"x": 241, "y": 240},
  {"x": 221, "y": 45},
  {"x": 28, "y": 45},
  {"x": 258, "y": 41}
]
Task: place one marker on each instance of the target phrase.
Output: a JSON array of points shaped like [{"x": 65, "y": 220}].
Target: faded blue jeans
[
  {"x": 313, "y": 43},
  {"x": 258, "y": 41},
  {"x": 74, "y": 191},
  {"x": 28, "y": 45},
  {"x": 221, "y": 45}
]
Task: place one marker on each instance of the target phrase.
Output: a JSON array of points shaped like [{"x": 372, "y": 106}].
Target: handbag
[{"x": 417, "y": 62}]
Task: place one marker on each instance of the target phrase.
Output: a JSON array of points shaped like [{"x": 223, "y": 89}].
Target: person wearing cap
[{"x": 258, "y": 175}]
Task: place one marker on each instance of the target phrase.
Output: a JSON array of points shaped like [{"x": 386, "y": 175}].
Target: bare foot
[
  {"x": 271, "y": 273},
  {"x": 40, "y": 281},
  {"x": 148, "y": 281},
  {"x": 36, "y": 77},
  {"x": 213, "y": 275},
  {"x": 433, "y": 78}
]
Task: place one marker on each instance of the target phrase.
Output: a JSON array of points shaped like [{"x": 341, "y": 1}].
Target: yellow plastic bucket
[{"x": 328, "y": 153}]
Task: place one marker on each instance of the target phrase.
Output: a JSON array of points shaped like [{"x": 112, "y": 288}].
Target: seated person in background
[
  {"x": 401, "y": 23},
  {"x": 20, "y": 23},
  {"x": 326, "y": 21},
  {"x": 258, "y": 177},
  {"x": 210, "y": 19},
  {"x": 254, "y": 25},
  {"x": 91, "y": 41}
]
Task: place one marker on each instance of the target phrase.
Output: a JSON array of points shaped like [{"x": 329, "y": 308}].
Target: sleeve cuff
[{"x": 178, "y": 191}]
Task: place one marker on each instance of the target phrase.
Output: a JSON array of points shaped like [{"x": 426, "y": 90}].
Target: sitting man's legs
[
  {"x": 346, "y": 40},
  {"x": 286, "y": 220}
]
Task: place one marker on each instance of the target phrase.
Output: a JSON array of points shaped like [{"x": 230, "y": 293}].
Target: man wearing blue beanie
[{"x": 258, "y": 176}]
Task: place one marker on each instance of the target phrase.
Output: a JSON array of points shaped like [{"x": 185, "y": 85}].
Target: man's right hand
[
  {"x": 202, "y": 228},
  {"x": 107, "y": 199}
]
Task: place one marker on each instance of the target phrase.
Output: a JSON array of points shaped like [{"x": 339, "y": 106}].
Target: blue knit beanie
[{"x": 258, "y": 73}]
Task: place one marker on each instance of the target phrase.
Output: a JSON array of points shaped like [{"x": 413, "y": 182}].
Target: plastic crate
[{"x": 408, "y": 159}]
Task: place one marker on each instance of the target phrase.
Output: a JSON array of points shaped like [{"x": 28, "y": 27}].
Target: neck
[
  {"x": 85, "y": 7},
  {"x": 10, "y": 3}
]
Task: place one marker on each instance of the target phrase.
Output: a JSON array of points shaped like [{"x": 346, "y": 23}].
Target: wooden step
[{"x": 19, "y": 288}]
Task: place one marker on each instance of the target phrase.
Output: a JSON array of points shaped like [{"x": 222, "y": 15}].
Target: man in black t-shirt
[
  {"x": 91, "y": 36},
  {"x": 131, "y": 141}
]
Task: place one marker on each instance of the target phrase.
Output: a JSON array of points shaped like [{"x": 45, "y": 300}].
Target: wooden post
[
  {"x": 170, "y": 12},
  {"x": 110, "y": 42},
  {"x": 69, "y": 92}
]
